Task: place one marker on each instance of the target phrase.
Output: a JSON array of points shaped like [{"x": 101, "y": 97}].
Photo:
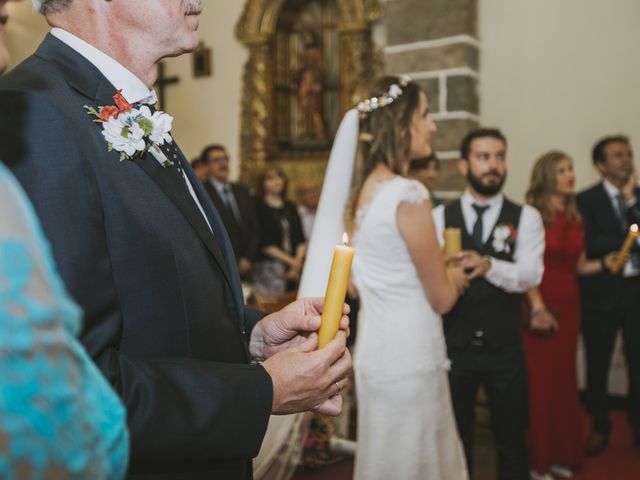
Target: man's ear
[
  {"x": 601, "y": 167},
  {"x": 463, "y": 167}
]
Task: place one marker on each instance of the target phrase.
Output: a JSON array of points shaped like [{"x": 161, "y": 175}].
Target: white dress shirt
[
  {"x": 613, "y": 192},
  {"x": 525, "y": 272},
  {"x": 133, "y": 89}
]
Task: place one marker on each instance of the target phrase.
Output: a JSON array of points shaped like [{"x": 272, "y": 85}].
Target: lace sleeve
[
  {"x": 413, "y": 192},
  {"x": 59, "y": 417}
]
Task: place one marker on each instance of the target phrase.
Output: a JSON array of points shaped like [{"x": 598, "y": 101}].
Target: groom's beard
[{"x": 192, "y": 7}]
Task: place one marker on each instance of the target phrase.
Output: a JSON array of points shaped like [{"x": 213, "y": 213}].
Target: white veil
[
  {"x": 281, "y": 450},
  {"x": 329, "y": 225}
]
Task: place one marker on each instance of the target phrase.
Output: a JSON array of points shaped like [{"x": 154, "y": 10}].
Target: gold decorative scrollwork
[{"x": 257, "y": 29}]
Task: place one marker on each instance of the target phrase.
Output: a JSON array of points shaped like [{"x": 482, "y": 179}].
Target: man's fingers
[
  {"x": 310, "y": 344},
  {"x": 341, "y": 369},
  {"x": 333, "y": 350},
  {"x": 331, "y": 406}
]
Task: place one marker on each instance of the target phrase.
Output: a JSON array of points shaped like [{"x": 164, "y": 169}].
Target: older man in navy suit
[
  {"x": 143, "y": 250},
  {"x": 611, "y": 302}
]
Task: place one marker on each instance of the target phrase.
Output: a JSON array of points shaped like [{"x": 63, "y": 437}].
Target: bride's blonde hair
[{"x": 384, "y": 137}]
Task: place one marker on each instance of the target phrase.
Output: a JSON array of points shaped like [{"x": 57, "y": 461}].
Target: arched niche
[{"x": 267, "y": 119}]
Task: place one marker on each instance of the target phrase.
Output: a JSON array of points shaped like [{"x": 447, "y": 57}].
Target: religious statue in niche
[
  {"x": 308, "y": 78},
  {"x": 310, "y": 86}
]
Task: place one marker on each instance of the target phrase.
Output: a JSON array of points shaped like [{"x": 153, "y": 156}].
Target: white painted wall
[
  {"x": 559, "y": 74},
  {"x": 206, "y": 110}
]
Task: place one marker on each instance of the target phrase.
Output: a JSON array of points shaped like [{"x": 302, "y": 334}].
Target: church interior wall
[
  {"x": 551, "y": 75},
  {"x": 559, "y": 75}
]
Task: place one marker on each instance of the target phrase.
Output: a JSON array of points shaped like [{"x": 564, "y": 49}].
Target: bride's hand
[{"x": 457, "y": 278}]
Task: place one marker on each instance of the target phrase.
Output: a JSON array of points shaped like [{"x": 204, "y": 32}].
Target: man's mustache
[
  {"x": 492, "y": 172},
  {"x": 192, "y": 7}
]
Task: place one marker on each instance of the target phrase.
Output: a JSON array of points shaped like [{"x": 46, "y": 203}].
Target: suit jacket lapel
[
  {"x": 219, "y": 230},
  {"x": 165, "y": 178}
]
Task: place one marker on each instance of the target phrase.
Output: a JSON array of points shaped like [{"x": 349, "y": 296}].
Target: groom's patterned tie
[{"x": 478, "y": 228}]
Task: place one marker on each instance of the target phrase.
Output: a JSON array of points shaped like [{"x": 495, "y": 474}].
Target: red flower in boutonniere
[
  {"x": 132, "y": 130},
  {"x": 110, "y": 111},
  {"x": 121, "y": 102}
]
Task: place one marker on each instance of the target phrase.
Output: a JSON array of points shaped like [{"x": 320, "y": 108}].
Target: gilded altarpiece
[{"x": 308, "y": 61}]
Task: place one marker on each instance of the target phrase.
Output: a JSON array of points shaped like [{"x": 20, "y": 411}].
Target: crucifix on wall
[{"x": 162, "y": 83}]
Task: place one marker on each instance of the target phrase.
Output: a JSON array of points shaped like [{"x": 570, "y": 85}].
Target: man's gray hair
[{"x": 45, "y": 7}]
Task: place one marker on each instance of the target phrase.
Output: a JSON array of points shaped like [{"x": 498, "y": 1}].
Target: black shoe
[{"x": 596, "y": 444}]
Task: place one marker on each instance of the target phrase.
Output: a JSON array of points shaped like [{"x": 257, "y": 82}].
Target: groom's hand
[
  {"x": 306, "y": 379},
  {"x": 290, "y": 327}
]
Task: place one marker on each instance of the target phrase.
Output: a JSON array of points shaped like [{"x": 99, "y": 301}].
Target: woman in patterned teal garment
[{"x": 59, "y": 417}]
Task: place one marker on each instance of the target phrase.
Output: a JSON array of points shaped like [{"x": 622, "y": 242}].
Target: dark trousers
[
  {"x": 599, "y": 328},
  {"x": 503, "y": 374}
]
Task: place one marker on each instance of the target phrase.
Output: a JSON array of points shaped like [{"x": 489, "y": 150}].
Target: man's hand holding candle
[{"x": 304, "y": 379}]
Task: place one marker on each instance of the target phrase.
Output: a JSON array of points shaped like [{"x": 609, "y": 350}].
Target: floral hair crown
[{"x": 368, "y": 105}]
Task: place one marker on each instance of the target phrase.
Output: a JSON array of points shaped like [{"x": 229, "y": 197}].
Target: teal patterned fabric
[{"x": 59, "y": 417}]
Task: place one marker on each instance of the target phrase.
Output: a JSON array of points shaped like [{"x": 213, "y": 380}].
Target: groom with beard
[{"x": 503, "y": 246}]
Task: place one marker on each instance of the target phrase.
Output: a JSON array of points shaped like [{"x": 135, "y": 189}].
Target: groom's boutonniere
[
  {"x": 504, "y": 238},
  {"x": 132, "y": 129}
]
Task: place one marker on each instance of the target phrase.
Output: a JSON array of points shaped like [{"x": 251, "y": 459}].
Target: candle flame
[
  {"x": 345, "y": 238},
  {"x": 634, "y": 228}
]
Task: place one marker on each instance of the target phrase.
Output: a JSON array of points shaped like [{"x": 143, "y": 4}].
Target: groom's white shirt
[
  {"x": 525, "y": 272},
  {"x": 133, "y": 89}
]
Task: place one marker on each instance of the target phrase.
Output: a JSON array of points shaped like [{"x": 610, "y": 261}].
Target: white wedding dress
[{"x": 406, "y": 425}]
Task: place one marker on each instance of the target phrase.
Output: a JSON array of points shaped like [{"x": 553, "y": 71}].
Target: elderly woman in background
[
  {"x": 59, "y": 417},
  {"x": 550, "y": 342},
  {"x": 282, "y": 241}
]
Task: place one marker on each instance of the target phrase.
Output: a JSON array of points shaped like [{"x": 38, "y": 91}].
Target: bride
[{"x": 406, "y": 426}]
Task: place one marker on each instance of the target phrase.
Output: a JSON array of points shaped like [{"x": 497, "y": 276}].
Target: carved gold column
[{"x": 256, "y": 108}]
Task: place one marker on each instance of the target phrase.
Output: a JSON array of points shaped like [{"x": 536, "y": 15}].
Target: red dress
[{"x": 555, "y": 431}]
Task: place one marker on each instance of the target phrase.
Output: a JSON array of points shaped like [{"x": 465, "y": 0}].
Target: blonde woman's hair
[
  {"x": 543, "y": 185},
  {"x": 384, "y": 138}
]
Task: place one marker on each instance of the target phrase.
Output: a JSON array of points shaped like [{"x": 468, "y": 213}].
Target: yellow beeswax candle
[
  {"x": 452, "y": 241},
  {"x": 626, "y": 248},
  {"x": 336, "y": 292}
]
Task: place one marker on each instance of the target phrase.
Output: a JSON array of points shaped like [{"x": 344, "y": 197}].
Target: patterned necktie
[{"x": 478, "y": 228}]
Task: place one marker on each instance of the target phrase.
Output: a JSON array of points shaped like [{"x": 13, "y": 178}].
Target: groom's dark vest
[{"x": 485, "y": 312}]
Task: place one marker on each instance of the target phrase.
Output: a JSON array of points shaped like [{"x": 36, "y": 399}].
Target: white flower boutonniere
[
  {"x": 504, "y": 238},
  {"x": 132, "y": 129}
]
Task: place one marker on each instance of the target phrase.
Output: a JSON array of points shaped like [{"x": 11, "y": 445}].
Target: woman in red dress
[{"x": 551, "y": 338}]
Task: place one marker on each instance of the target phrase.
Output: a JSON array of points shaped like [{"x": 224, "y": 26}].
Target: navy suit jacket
[
  {"x": 244, "y": 236},
  {"x": 603, "y": 234},
  {"x": 164, "y": 315}
]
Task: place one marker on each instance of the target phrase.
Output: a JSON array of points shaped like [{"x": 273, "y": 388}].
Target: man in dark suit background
[
  {"x": 235, "y": 206},
  {"x": 611, "y": 302},
  {"x": 144, "y": 252}
]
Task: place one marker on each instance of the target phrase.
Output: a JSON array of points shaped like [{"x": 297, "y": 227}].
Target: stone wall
[{"x": 436, "y": 43}]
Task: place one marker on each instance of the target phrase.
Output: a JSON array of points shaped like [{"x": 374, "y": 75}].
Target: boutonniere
[
  {"x": 504, "y": 238},
  {"x": 132, "y": 129}
]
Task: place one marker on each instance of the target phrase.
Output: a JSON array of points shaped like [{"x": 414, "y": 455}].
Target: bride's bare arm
[{"x": 442, "y": 284}]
